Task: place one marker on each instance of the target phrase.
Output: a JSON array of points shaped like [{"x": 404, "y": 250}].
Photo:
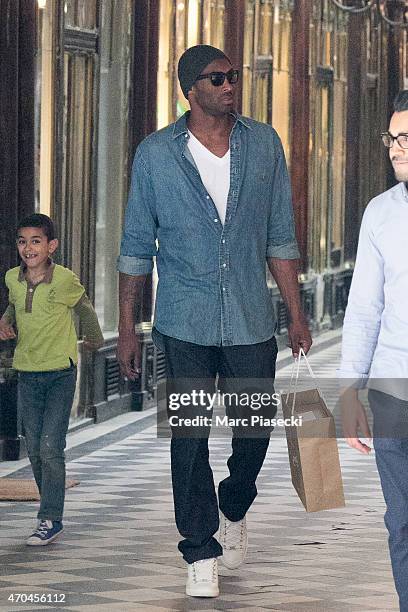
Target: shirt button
[
  {"x": 224, "y": 265},
  {"x": 30, "y": 290},
  {"x": 223, "y": 242},
  {"x": 208, "y": 197},
  {"x": 223, "y": 288},
  {"x": 215, "y": 220}
]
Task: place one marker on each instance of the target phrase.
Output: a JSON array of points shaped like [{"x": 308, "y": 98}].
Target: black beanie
[{"x": 192, "y": 62}]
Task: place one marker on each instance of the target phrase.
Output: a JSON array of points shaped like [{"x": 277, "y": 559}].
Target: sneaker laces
[
  {"x": 213, "y": 570},
  {"x": 43, "y": 526},
  {"x": 234, "y": 531}
]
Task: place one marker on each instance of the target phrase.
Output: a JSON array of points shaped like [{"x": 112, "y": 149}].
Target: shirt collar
[
  {"x": 404, "y": 189},
  {"x": 180, "y": 126},
  {"x": 22, "y": 275}
]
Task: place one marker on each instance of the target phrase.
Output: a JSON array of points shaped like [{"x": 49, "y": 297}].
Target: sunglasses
[{"x": 218, "y": 78}]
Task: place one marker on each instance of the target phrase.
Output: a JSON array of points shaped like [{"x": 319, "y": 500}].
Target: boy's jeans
[
  {"x": 45, "y": 402},
  {"x": 391, "y": 453}
]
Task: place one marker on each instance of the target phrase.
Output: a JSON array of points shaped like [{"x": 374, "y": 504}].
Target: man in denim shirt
[{"x": 210, "y": 199}]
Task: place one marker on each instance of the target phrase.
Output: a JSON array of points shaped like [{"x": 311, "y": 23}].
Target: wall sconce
[{"x": 361, "y": 6}]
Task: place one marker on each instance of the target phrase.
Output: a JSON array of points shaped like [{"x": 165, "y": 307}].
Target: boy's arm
[
  {"x": 6, "y": 322},
  {"x": 90, "y": 324},
  {"x": 9, "y": 315}
]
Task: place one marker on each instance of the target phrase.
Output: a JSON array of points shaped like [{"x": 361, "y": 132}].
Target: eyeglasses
[
  {"x": 388, "y": 140},
  {"x": 218, "y": 78}
]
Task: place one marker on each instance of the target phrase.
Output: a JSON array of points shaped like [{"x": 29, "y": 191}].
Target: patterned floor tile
[{"x": 119, "y": 548}]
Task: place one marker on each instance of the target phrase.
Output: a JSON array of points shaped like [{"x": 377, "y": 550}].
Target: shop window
[
  {"x": 321, "y": 170},
  {"x": 373, "y": 111},
  {"x": 165, "y": 68},
  {"x": 281, "y": 90},
  {"x": 112, "y": 154},
  {"x": 338, "y": 173},
  {"x": 82, "y": 137},
  {"x": 249, "y": 35},
  {"x": 44, "y": 109},
  {"x": 257, "y": 85},
  {"x": 213, "y": 23},
  {"x": 183, "y": 24},
  {"x": 75, "y": 142},
  {"x": 79, "y": 75},
  {"x": 81, "y": 14},
  {"x": 328, "y": 95},
  {"x": 264, "y": 46},
  {"x": 266, "y": 69}
]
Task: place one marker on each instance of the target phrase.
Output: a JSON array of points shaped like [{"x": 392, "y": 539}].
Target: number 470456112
[{"x": 37, "y": 598}]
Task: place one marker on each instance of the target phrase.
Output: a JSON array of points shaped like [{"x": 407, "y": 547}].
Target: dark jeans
[
  {"x": 195, "y": 499},
  {"x": 45, "y": 402},
  {"x": 391, "y": 455}
]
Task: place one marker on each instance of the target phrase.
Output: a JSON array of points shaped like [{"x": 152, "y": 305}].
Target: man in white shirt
[{"x": 375, "y": 343}]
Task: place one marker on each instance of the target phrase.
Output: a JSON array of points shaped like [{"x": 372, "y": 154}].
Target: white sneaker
[
  {"x": 203, "y": 578},
  {"x": 233, "y": 538}
]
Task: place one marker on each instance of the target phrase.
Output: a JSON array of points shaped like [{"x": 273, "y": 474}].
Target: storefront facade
[{"x": 87, "y": 80}]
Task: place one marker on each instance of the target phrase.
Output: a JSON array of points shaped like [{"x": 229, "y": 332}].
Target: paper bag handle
[{"x": 296, "y": 364}]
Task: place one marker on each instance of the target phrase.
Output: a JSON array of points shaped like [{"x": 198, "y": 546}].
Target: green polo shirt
[{"x": 47, "y": 339}]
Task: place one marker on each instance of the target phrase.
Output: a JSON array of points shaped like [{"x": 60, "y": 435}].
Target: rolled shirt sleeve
[
  {"x": 362, "y": 320},
  {"x": 138, "y": 246},
  {"x": 281, "y": 242}
]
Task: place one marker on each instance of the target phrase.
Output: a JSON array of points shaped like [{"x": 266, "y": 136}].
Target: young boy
[{"x": 42, "y": 299}]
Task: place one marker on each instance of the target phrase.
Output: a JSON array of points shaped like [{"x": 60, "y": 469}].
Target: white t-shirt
[{"x": 214, "y": 172}]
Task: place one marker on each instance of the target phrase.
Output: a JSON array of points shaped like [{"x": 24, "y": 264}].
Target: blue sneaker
[{"x": 45, "y": 533}]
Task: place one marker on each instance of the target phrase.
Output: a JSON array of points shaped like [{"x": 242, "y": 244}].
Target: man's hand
[
  {"x": 6, "y": 331},
  {"x": 354, "y": 420},
  {"x": 129, "y": 354},
  {"x": 299, "y": 335}
]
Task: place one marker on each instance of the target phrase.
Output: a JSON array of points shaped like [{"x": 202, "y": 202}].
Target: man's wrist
[
  {"x": 126, "y": 328},
  {"x": 349, "y": 393},
  {"x": 296, "y": 315}
]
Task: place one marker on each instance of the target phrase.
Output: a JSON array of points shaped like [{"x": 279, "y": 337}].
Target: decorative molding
[{"x": 80, "y": 41}]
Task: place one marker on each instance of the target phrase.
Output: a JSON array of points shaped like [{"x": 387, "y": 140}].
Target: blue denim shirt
[{"x": 212, "y": 286}]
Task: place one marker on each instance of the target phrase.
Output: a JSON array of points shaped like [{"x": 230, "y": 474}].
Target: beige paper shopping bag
[{"x": 312, "y": 447}]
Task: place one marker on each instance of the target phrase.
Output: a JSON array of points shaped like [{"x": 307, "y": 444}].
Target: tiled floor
[{"x": 119, "y": 549}]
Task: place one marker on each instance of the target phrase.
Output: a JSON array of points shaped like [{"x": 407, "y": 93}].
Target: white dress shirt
[{"x": 375, "y": 332}]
